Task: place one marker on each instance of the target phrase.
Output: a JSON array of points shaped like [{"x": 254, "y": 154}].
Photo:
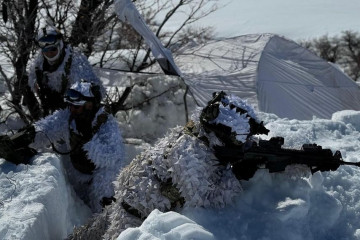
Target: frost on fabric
[
  {"x": 238, "y": 102},
  {"x": 185, "y": 161},
  {"x": 237, "y": 121},
  {"x": 196, "y": 173},
  {"x": 105, "y": 150},
  {"x": 106, "y": 146},
  {"x": 52, "y": 128}
]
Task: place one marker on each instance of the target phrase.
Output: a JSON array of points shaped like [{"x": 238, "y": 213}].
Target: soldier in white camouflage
[{"x": 54, "y": 69}]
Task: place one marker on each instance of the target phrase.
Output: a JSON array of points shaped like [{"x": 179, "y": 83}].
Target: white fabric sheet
[
  {"x": 273, "y": 74},
  {"x": 127, "y": 12},
  {"x": 294, "y": 83}
]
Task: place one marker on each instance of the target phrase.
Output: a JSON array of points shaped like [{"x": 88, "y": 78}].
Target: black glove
[
  {"x": 107, "y": 201},
  {"x": 15, "y": 148}
]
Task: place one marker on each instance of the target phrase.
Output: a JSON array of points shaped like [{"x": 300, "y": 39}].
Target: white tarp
[
  {"x": 274, "y": 74},
  {"x": 229, "y": 65},
  {"x": 127, "y": 12},
  {"x": 293, "y": 82}
]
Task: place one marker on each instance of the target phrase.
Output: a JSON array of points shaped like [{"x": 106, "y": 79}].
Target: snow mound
[
  {"x": 158, "y": 105},
  {"x": 170, "y": 225},
  {"x": 349, "y": 117},
  {"x": 36, "y": 201}
]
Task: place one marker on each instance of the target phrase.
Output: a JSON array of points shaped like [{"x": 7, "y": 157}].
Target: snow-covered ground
[{"x": 36, "y": 202}]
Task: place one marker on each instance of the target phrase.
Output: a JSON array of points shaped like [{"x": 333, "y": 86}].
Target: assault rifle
[{"x": 270, "y": 155}]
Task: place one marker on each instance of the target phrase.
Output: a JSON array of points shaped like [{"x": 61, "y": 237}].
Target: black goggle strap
[{"x": 44, "y": 31}]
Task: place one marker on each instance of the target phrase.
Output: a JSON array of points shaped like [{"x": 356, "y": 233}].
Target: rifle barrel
[{"x": 350, "y": 163}]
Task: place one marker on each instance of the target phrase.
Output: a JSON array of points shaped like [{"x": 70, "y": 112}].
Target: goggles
[
  {"x": 47, "y": 40},
  {"x": 75, "y": 98}
]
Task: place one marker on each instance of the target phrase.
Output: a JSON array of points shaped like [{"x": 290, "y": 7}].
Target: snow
[
  {"x": 37, "y": 201},
  {"x": 293, "y": 204},
  {"x": 289, "y": 205},
  {"x": 170, "y": 225}
]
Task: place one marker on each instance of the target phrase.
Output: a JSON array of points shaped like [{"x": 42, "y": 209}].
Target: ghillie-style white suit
[
  {"x": 80, "y": 69},
  {"x": 179, "y": 171},
  {"x": 105, "y": 149}
]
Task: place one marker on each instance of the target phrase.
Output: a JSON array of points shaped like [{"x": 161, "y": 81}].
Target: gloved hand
[
  {"x": 15, "y": 148},
  {"x": 107, "y": 201}
]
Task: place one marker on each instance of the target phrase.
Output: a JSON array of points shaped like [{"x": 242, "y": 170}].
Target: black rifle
[{"x": 269, "y": 154}]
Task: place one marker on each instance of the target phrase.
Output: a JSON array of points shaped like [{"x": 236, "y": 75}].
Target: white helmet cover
[
  {"x": 79, "y": 93},
  {"x": 48, "y": 31},
  {"x": 84, "y": 88}
]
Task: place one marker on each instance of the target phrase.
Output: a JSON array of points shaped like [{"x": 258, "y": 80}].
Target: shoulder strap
[
  {"x": 65, "y": 76},
  {"x": 39, "y": 77}
]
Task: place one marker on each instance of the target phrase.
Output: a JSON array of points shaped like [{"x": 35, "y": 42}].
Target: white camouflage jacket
[
  {"x": 105, "y": 150},
  {"x": 80, "y": 69}
]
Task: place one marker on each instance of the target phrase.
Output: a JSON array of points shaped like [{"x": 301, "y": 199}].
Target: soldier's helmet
[
  {"x": 82, "y": 92},
  {"x": 231, "y": 119}
]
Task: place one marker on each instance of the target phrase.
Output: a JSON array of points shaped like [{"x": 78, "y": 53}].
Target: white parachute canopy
[
  {"x": 127, "y": 12},
  {"x": 274, "y": 74}
]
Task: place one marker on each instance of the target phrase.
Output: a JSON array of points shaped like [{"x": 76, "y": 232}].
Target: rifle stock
[{"x": 270, "y": 155}]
